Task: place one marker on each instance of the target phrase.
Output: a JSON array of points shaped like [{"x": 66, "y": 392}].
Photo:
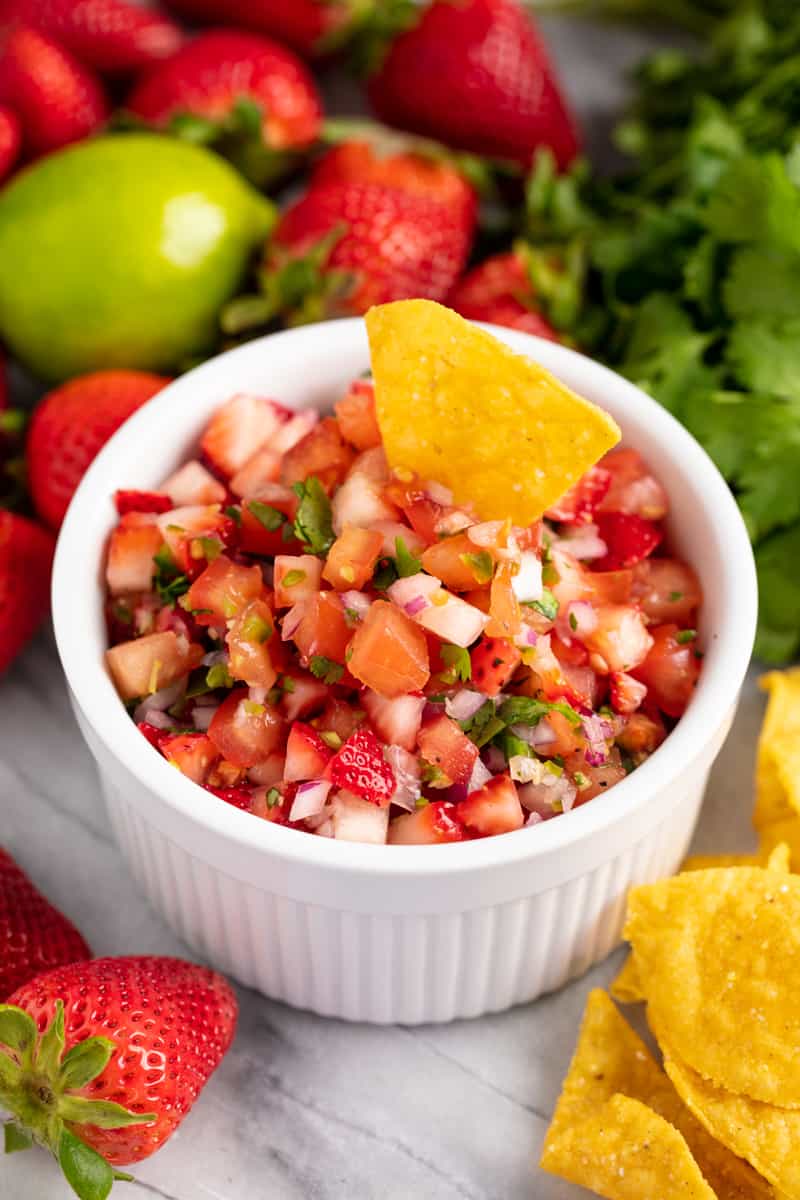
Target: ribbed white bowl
[{"x": 396, "y": 933}]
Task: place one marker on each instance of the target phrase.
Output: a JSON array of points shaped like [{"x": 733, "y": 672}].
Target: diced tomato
[
  {"x": 444, "y": 744},
  {"x": 238, "y": 429},
  {"x": 248, "y": 642},
  {"x": 633, "y": 489},
  {"x": 455, "y": 560},
  {"x": 579, "y": 504},
  {"x": 307, "y": 756},
  {"x": 262, "y": 467},
  {"x": 268, "y": 772},
  {"x": 494, "y": 808},
  {"x": 396, "y": 721},
  {"x": 193, "y": 484},
  {"x": 130, "y": 501},
  {"x": 625, "y": 692},
  {"x": 360, "y": 768},
  {"x": 130, "y": 566},
  {"x": 585, "y": 685},
  {"x": 505, "y": 614},
  {"x": 194, "y": 754},
  {"x": 244, "y": 732},
  {"x": 667, "y": 590},
  {"x": 568, "y": 737},
  {"x": 571, "y": 653},
  {"x": 296, "y": 577},
  {"x": 322, "y": 453},
  {"x": 294, "y": 430},
  {"x": 388, "y": 652},
  {"x": 302, "y": 695},
  {"x": 261, "y": 531},
  {"x": 150, "y": 663},
  {"x": 323, "y": 629},
  {"x": 494, "y": 661},
  {"x": 339, "y": 717},
  {"x": 598, "y": 779},
  {"x": 670, "y": 670},
  {"x": 196, "y": 535},
  {"x": 643, "y": 733},
  {"x": 609, "y": 587},
  {"x": 223, "y": 591},
  {"x": 621, "y": 641},
  {"x": 352, "y": 558},
  {"x": 356, "y": 415},
  {"x": 629, "y": 539},
  {"x": 432, "y": 825}
]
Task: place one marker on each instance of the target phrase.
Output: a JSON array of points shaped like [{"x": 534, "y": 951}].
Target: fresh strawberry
[
  {"x": 26, "y": 554},
  {"x": 629, "y": 539},
  {"x": 194, "y": 754},
  {"x": 307, "y": 756},
  {"x": 34, "y": 935},
  {"x": 358, "y": 244},
  {"x": 141, "y": 502},
  {"x": 579, "y": 504},
  {"x": 310, "y": 26},
  {"x": 625, "y": 692},
  {"x": 57, "y": 99},
  {"x": 359, "y": 767},
  {"x": 447, "y": 749},
  {"x": 494, "y": 661},
  {"x": 109, "y": 35},
  {"x": 396, "y": 720},
  {"x": 71, "y": 425},
  {"x": 500, "y": 291},
  {"x": 10, "y": 139},
  {"x": 237, "y": 797},
  {"x": 489, "y": 86},
  {"x": 251, "y": 98},
  {"x": 101, "y": 1061},
  {"x": 429, "y": 826},
  {"x": 494, "y": 808},
  {"x": 238, "y": 429}
]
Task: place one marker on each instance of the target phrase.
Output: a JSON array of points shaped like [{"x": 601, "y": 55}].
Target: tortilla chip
[
  {"x": 610, "y": 1058},
  {"x": 776, "y": 859},
  {"x": 782, "y": 833},
  {"x": 778, "y": 759},
  {"x": 456, "y": 405},
  {"x": 718, "y": 956},
  {"x": 627, "y": 986}
]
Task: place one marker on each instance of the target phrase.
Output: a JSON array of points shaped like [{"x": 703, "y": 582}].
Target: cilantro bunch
[{"x": 684, "y": 273}]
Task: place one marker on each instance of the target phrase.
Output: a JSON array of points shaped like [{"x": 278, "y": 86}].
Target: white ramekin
[{"x": 397, "y": 933}]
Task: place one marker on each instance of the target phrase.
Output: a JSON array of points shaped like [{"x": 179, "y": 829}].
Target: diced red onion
[
  {"x": 526, "y": 638},
  {"x": 584, "y": 543},
  {"x": 596, "y": 730},
  {"x": 405, "y": 767},
  {"x": 291, "y": 620},
  {"x": 527, "y": 583},
  {"x": 463, "y": 704},
  {"x": 359, "y": 602},
  {"x": 410, "y": 590},
  {"x": 319, "y": 819},
  {"x": 202, "y": 716},
  {"x": 390, "y": 531},
  {"x": 494, "y": 759},
  {"x": 152, "y": 716},
  {"x": 438, "y": 493},
  {"x": 310, "y": 799},
  {"x": 549, "y": 794},
  {"x": 213, "y": 657},
  {"x": 165, "y": 697},
  {"x": 486, "y": 533},
  {"x": 415, "y": 606},
  {"x": 480, "y": 775},
  {"x": 580, "y": 619},
  {"x": 534, "y": 819},
  {"x": 453, "y": 522},
  {"x": 543, "y": 734}
]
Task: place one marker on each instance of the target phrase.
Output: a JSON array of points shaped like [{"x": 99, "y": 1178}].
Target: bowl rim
[{"x": 76, "y": 576}]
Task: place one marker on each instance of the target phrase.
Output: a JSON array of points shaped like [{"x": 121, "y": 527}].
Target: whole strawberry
[
  {"x": 34, "y": 936},
  {"x": 57, "y": 99},
  {"x": 109, "y": 35},
  {"x": 499, "y": 290},
  {"x": 101, "y": 1061},
  {"x": 476, "y": 75},
  {"x": 310, "y": 26},
  {"x": 70, "y": 426},
  {"x": 10, "y": 139},
  {"x": 26, "y": 556},
  {"x": 251, "y": 98}
]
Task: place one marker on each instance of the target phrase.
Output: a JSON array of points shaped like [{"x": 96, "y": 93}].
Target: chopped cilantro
[
  {"x": 439, "y": 698},
  {"x": 573, "y": 622},
  {"x": 271, "y": 518},
  {"x": 628, "y": 764},
  {"x": 405, "y": 562},
  {"x": 385, "y": 574},
  {"x": 351, "y": 616},
  {"x": 458, "y": 663},
  {"x": 208, "y": 548},
  {"x": 683, "y": 636},
  {"x": 480, "y": 564},
  {"x": 674, "y": 597},
  {"x": 274, "y": 797},
  {"x": 168, "y": 581},
  {"x": 432, "y": 775},
  {"x": 547, "y": 605},
  {"x": 235, "y": 513},
  {"x": 292, "y": 578},
  {"x": 325, "y": 668},
  {"x": 122, "y": 612},
  {"x": 313, "y": 525},
  {"x": 483, "y": 725},
  {"x": 218, "y": 676},
  {"x": 287, "y": 532},
  {"x": 525, "y": 710}
]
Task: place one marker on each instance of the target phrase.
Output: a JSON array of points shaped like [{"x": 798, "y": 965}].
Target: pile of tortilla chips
[{"x": 715, "y": 956}]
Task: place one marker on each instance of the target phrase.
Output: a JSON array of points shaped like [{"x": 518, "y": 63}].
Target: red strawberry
[
  {"x": 488, "y": 84},
  {"x": 499, "y": 290},
  {"x": 26, "y": 555},
  {"x": 245, "y": 93},
  {"x": 108, "y": 35},
  {"x": 34, "y": 936},
  {"x": 132, "y": 501},
  {"x": 578, "y": 505},
  {"x": 310, "y": 26},
  {"x": 306, "y": 754},
  {"x": 71, "y": 425},
  {"x": 628, "y": 539},
  {"x": 360, "y": 244},
  {"x": 359, "y": 767},
  {"x": 236, "y": 796},
  {"x": 57, "y": 99},
  {"x": 494, "y": 661},
  {"x": 101, "y": 1061},
  {"x": 10, "y": 139}
]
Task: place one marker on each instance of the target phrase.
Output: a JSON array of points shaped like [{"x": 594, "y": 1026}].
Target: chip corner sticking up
[{"x": 456, "y": 405}]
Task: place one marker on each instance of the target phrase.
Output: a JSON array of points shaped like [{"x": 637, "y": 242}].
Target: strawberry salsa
[{"x": 339, "y": 648}]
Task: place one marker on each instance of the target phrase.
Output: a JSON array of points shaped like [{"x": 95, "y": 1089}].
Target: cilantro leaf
[
  {"x": 385, "y": 574},
  {"x": 525, "y": 710},
  {"x": 313, "y": 525},
  {"x": 779, "y": 596},
  {"x": 325, "y": 668},
  {"x": 547, "y": 605},
  {"x": 168, "y": 580},
  {"x": 271, "y": 518},
  {"x": 458, "y": 662},
  {"x": 483, "y": 725}
]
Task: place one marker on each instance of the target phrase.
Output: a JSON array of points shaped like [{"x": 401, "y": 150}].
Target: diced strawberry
[
  {"x": 360, "y": 768},
  {"x": 396, "y": 721},
  {"x": 621, "y": 641},
  {"x": 432, "y": 825},
  {"x": 302, "y": 695},
  {"x": 147, "y": 664},
  {"x": 323, "y": 630},
  {"x": 670, "y": 670},
  {"x": 360, "y": 502},
  {"x": 458, "y": 563},
  {"x": 194, "y": 754},
  {"x": 142, "y": 502},
  {"x": 444, "y": 744},
  {"x": 245, "y": 732},
  {"x": 579, "y": 504},
  {"x": 494, "y": 808},
  {"x": 235, "y": 796},
  {"x": 296, "y": 577},
  {"x": 195, "y": 535},
  {"x": 494, "y": 661},
  {"x": 355, "y": 413},
  {"x": 248, "y": 641},
  {"x": 193, "y": 484},
  {"x": 667, "y": 590},
  {"x": 388, "y": 652},
  {"x": 321, "y": 453},
  {"x": 352, "y": 558},
  {"x": 223, "y": 590},
  {"x": 130, "y": 566},
  {"x": 625, "y": 692},
  {"x": 262, "y": 467},
  {"x": 339, "y": 717},
  {"x": 266, "y": 520},
  {"x": 629, "y": 540},
  {"x": 633, "y": 489},
  {"x": 585, "y": 685},
  {"x": 294, "y": 430},
  {"x": 238, "y": 429},
  {"x": 307, "y": 756},
  {"x": 358, "y": 820},
  {"x": 597, "y": 779},
  {"x": 643, "y": 733},
  {"x": 154, "y": 736}
]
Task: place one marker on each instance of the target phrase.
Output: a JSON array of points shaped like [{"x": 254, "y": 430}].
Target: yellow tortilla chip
[
  {"x": 778, "y": 759},
  {"x": 625, "y": 1151},
  {"x": 774, "y": 860},
  {"x": 627, "y": 986},
  {"x": 718, "y": 955},
  {"x": 456, "y": 405},
  {"x": 782, "y": 833},
  {"x": 611, "y": 1058}
]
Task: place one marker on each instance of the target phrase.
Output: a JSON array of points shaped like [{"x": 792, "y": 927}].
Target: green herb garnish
[
  {"x": 325, "y": 668},
  {"x": 458, "y": 663},
  {"x": 313, "y": 525},
  {"x": 547, "y": 605},
  {"x": 405, "y": 562},
  {"x": 271, "y": 518}
]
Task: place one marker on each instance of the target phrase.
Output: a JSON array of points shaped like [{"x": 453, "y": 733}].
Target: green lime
[{"x": 120, "y": 252}]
